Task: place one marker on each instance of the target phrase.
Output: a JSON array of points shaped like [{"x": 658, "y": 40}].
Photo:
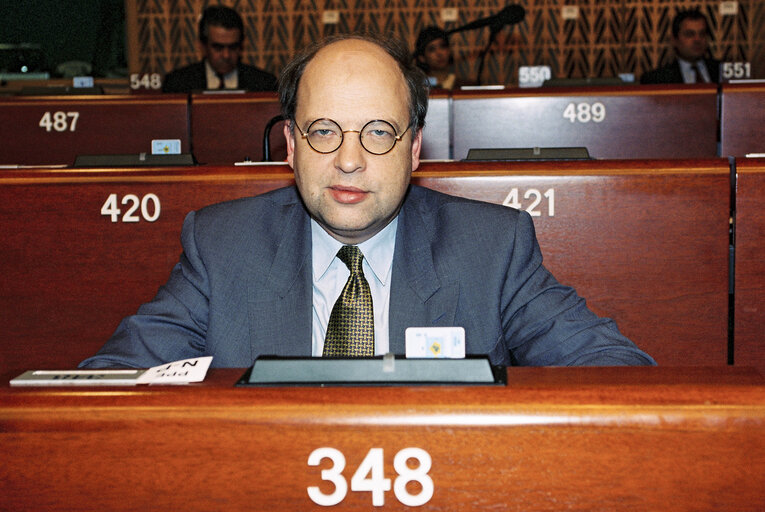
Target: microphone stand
[
  {"x": 510, "y": 15},
  {"x": 495, "y": 28}
]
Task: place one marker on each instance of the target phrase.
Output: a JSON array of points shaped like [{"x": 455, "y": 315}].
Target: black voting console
[{"x": 373, "y": 371}]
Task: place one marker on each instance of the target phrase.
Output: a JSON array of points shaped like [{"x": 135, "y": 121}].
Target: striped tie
[{"x": 351, "y": 332}]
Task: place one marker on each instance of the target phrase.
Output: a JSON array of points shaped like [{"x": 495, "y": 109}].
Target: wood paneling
[
  {"x": 624, "y": 233},
  {"x": 742, "y": 119},
  {"x": 659, "y": 439},
  {"x": 749, "y": 313},
  {"x": 639, "y": 122},
  {"x": 607, "y": 37},
  {"x": 88, "y": 125}
]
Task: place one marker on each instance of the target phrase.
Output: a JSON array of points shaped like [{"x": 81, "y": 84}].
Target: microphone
[{"x": 510, "y": 15}]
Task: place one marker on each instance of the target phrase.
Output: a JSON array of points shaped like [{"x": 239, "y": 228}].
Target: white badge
[
  {"x": 435, "y": 342},
  {"x": 166, "y": 146}
]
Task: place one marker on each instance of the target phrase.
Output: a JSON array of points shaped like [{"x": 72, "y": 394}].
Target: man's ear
[
  {"x": 202, "y": 49},
  {"x": 289, "y": 135},
  {"x": 416, "y": 147}
]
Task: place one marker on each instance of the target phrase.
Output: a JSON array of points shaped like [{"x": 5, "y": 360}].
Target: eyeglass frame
[{"x": 343, "y": 132}]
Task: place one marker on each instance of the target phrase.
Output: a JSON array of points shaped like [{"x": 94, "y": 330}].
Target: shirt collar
[
  {"x": 687, "y": 64},
  {"x": 377, "y": 251},
  {"x": 212, "y": 74}
]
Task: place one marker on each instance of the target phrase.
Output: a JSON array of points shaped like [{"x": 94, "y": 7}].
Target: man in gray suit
[{"x": 259, "y": 276}]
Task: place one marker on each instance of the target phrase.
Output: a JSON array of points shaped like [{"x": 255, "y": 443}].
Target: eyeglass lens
[{"x": 377, "y": 137}]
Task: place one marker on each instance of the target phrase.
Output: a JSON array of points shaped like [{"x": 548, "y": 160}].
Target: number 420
[{"x": 111, "y": 208}]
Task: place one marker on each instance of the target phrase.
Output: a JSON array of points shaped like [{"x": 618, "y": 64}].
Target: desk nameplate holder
[{"x": 376, "y": 371}]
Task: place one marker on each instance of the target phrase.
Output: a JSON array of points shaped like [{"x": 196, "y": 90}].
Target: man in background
[
  {"x": 221, "y": 38},
  {"x": 692, "y": 64}
]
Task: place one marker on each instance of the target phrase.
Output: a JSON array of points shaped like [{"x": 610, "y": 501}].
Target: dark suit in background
[
  {"x": 243, "y": 288},
  {"x": 194, "y": 78},
  {"x": 671, "y": 73}
]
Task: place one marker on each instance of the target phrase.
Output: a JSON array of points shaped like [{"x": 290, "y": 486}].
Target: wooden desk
[
  {"x": 644, "y": 241},
  {"x": 677, "y": 121},
  {"x": 55, "y": 129},
  {"x": 575, "y": 438},
  {"x": 622, "y": 233},
  {"x": 742, "y": 117},
  {"x": 228, "y": 128},
  {"x": 749, "y": 311},
  {"x": 72, "y": 273},
  {"x": 436, "y": 136}
]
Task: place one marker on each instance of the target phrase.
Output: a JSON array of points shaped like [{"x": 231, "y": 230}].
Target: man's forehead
[
  {"x": 351, "y": 68},
  {"x": 222, "y": 34},
  {"x": 694, "y": 25},
  {"x": 353, "y": 54}
]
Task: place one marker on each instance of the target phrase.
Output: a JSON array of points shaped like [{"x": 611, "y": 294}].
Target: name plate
[
  {"x": 387, "y": 370},
  {"x": 184, "y": 371}
]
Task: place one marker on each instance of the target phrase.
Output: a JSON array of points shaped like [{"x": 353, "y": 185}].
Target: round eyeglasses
[{"x": 325, "y": 136}]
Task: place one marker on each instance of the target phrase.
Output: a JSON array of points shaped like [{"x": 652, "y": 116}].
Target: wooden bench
[
  {"x": 50, "y": 130},
  {"x": 677, "y": 121},
  {"x": 742, "y": 117},
  {"x": 749, "y": 310},
  {"x": 617, "y": 439},
  {"x": 646, "y": 242},
  {"x": 436, "y": 136},
  {"x": 228, "y": 128}
]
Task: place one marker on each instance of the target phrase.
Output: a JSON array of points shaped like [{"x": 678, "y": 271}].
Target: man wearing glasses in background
[
  {"x": 266, "y": 275},
  {"x": 221, "y": 36}
]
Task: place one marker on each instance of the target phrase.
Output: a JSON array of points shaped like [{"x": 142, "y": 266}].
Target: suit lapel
[
  {"x": 419, "y": 298},
  {"x": 280, "y": 297}
]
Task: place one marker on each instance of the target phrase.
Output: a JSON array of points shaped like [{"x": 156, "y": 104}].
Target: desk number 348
[{"x": 370, "y": 476}]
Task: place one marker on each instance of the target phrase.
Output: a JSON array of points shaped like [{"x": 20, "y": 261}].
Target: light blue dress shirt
[
  {"x": 231, "y": 78},
  {"x": 690, "y": 76},
  {"x": 330, "y": 275}
]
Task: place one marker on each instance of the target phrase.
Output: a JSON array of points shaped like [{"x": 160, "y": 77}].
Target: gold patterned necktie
[{"x": 351, "y": 331}]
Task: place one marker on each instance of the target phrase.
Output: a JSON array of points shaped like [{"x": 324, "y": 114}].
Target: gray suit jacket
[{"x": 243, "y": 288}]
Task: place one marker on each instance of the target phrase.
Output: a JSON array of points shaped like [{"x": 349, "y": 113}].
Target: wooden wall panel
[{"x": 609, "y": 36}]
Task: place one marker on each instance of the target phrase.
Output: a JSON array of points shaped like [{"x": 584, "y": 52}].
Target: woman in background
[{"x": 434, "y": 57}]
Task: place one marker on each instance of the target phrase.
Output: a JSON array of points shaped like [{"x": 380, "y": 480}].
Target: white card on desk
[
  {"x": 177, "y": 372},
  {"x": 435, "y": 342}
]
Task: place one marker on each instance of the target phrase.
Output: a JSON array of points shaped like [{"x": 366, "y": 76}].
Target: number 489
[{"x": 585, "y": 112}]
